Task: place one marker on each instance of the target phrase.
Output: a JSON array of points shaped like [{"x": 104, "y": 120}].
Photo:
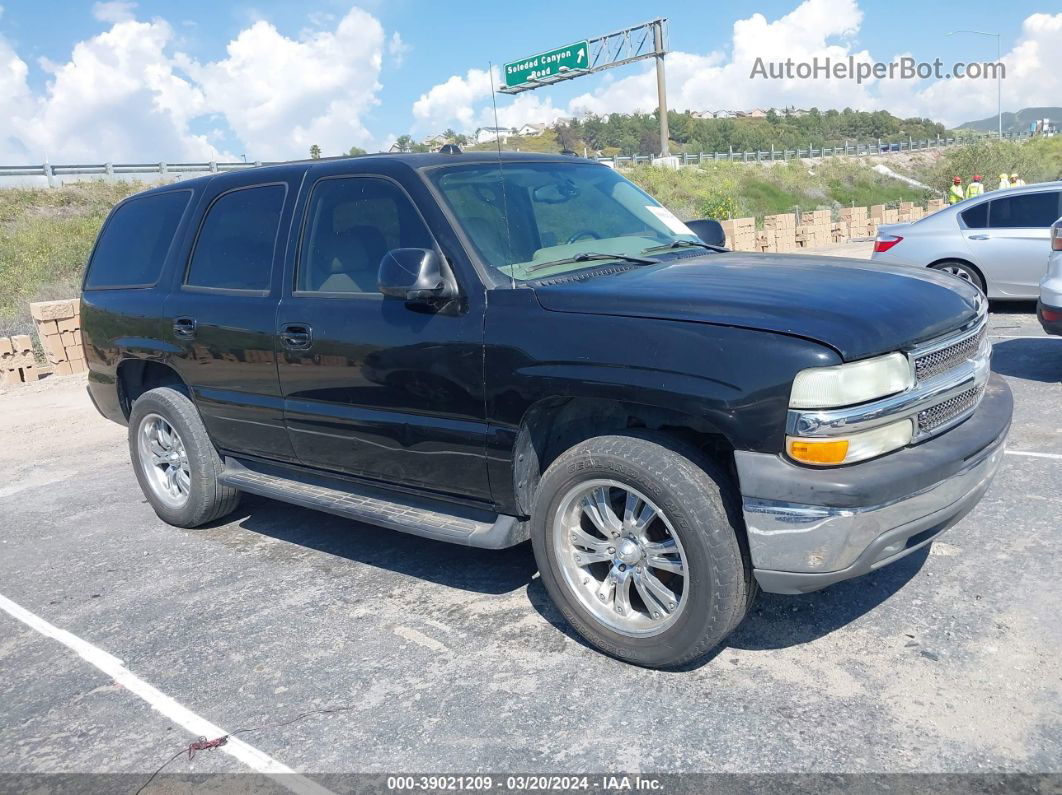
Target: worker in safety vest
[
  {"x": 955, "y": 195},
  {"x": 1004, "y": 181},
  {"x": 1016, "y": 181},
  {"x": 975, "y": 188}
]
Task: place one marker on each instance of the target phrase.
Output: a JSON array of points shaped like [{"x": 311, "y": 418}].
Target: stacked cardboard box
[
  {"x": 740, "y": 233},
  {"x": 59, "y": 327},
  {"x": 855, "y": 220},
  {"x": 784, "y": 228},
  {"x": 17, "y": 363},
  {"x": 935, "y": 204}
]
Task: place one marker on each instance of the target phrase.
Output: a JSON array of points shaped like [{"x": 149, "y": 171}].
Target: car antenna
[{"x": 501, "y": 178}]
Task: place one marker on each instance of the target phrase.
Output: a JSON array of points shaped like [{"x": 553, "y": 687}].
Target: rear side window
[
  {"x": 237, "y": 240},
  {"x": 976, "y": 217},
  {"x": 133, "y": 245},
  {"x": 1030, "y": 211}
]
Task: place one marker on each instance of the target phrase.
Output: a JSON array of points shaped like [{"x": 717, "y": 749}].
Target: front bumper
[{"x": 809, "y": 528}]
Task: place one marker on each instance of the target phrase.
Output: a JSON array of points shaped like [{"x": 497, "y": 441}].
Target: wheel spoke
[
  {"x": 581, "y": 538},
  {"x": 646, "y": 582},
  {"x": 171, "y": 480},
  {"x": 665, "y": 564},
  {"x": 183, "y": 480},
  {"x": 605, "y": 589},
  {"x": 665, "y": 547},
  {"x": 597, "y": 507},
  {"x": 623, "y": 593}
]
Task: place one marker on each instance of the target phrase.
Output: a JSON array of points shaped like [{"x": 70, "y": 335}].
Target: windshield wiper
[
  {"x": 592, "y": 256},
  {"x": 687, "y": 244}
]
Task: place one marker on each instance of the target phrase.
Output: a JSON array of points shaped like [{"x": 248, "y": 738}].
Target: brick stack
[
  {"x": 935, "y": 204},
  {"x": 18, "y": 365},
  {"x": 782, "y": 229},
  {"x": 740, "y": 233},
  {"x": 59, "y": 327}
]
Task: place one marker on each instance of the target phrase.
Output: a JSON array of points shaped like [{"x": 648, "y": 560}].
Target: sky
[{"x": 160, "y": 80}]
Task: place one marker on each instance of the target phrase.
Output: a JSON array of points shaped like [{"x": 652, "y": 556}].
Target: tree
[
  {"x": 460, "y": 139},
  {"x": 404, "y": 143},
  {"x": 356, "y": 150},
  {"x": 450, "y": 134},
  {"x": 315, "y": 152}
]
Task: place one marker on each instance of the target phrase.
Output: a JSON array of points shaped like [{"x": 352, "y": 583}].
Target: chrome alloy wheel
[
  {"x": 620, "y": 557},
  {"x": 164, "y": 460},
  {"x": 962, "y": 273}
]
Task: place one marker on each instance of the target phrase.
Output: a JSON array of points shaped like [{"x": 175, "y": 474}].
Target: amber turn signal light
[{"x": 816, "y": 452}]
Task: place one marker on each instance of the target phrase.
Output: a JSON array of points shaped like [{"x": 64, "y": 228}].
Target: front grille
[
  {"x": 935, "y": 416},
  {"x": 933, "y": 364}
]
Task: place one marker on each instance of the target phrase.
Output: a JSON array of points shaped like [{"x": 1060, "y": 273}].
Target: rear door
[
  {"x": 222, "y": 311},
  {"x": 375, "y": 387},
  {"x": 1013, "y": 246}
]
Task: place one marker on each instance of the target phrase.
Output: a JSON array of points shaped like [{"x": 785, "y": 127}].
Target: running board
[{"x": 405, "y": 513}]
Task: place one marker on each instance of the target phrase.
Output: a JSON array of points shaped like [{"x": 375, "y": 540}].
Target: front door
[
  {"x": 222, "y": 314},
  {"x": 374, "y": 387},
  {"x": 1013, "y": 250}
]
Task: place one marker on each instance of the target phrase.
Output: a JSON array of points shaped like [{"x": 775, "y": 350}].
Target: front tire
[
  {"x": 638, "y": 546},
  {"x": 175, "y": 462}
]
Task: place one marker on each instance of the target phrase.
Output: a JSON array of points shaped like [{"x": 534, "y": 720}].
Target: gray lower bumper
[{"x": 811, "y": 528}]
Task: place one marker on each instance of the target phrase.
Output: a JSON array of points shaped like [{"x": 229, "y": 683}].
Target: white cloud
[
  {"x": 453, "y": 102},
  {"x": 721, "y": 79},
  {"x": 280, "y": 95},
  {"x": 126, "y": 95},
  {"x": 398, "y": 49},
  {"x": 113, "y": 11}
]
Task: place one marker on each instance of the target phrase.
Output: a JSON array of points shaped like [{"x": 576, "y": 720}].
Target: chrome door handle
[
  {"x": 979, "y": 237},
  {"x": 184, "y": 328},
  {"x": 296, "y": 336}
]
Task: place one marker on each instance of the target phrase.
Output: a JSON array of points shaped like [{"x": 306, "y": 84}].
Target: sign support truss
[{"x": 620, "y": 48}]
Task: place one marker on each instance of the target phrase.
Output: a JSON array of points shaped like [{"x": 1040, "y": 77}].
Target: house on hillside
[
  {"x": 488, "y": 135},
  {"x": 437, "y": 140},
  {"x": 531, "y": 129},
  {"x": 756, "y": 113}
]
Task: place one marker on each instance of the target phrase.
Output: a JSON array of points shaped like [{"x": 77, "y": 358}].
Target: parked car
[
  {"x": 1049, "y": 304},
  {"x": 997, "y": 242},
  {"x": 482, "y": 350}
]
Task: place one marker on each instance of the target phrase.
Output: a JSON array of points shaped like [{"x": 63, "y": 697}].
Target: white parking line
[
  {"x": 1055, "y": 456},
  {"x": 160, "y": 702}
]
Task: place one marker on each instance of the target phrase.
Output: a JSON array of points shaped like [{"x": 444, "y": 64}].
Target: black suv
[{"x": 483, "y": 349}]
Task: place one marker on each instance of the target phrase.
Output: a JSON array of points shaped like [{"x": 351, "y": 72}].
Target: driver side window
[{"x": 351, "y": 223}]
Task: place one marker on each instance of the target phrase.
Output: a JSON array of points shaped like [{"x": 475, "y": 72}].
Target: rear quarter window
[{"x": 133, "y": 245}]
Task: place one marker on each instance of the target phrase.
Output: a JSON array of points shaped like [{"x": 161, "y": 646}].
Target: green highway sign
[{"x": 573, "y": 58}]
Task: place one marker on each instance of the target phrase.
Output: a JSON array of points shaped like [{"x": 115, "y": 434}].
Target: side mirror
[
  {"x": 415, "y": 274},
  {"x": 710, "y": 232}
]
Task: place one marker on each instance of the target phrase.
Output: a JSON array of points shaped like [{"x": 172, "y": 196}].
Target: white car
[
  {"x": 1049, "y": 305},
  {"x": 998, "y": 241}
]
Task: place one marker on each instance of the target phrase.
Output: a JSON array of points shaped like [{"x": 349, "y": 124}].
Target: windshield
[{"x": 556, "y": 212}]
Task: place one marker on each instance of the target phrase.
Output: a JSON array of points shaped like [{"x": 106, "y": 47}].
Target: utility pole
[{"x": 661, "y": 89}]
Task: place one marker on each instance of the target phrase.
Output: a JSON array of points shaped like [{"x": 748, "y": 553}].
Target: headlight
[
  {"x": 848, "y": 384},
  {"x": 834, "y": 450}
]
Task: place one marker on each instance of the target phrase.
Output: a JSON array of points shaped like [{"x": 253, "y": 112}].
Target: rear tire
[
  {"x": 175, "y": 462},
  {"x": 961, "y": 270},
  {"x": 666, "y": 579}
]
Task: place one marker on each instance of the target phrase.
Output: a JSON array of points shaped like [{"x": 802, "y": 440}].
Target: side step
[{"x": 404, "y": 513}]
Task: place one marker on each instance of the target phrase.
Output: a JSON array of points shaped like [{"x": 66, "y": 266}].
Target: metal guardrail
[
  {"x": 859, "y": 148},
  {"x": 52, "y": 172}
]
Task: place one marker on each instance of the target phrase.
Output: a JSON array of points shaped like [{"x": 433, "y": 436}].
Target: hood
[{"x": 857, "y": 307}]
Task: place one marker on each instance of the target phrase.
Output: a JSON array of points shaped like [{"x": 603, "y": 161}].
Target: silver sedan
[{"x": 999, "y": 241}]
